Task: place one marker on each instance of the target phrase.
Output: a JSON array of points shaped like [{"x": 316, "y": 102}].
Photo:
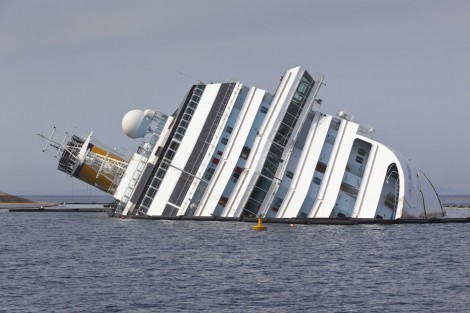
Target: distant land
[{"x": 7, "y": 198}]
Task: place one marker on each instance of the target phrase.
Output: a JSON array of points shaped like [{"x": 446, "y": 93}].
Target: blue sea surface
[{"x": 89, "y": 262}]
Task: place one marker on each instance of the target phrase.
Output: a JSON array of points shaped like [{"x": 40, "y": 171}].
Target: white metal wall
[{"x": 184, "y": 151}]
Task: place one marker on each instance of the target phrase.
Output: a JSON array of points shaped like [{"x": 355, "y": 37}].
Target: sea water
[{"x": 89, "y": 262}]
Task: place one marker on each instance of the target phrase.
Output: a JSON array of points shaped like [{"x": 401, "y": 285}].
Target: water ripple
[{"x": 88, "y": 262}]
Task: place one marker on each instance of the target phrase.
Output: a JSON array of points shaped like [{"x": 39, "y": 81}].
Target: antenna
[
  {"x": 49, "y": 142},
  {"x": 184, "y": 74},
  {"x": 62, "y": 144}
]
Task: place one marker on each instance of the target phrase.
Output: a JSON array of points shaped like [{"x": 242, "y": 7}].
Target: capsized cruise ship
[{"x": 235, "y": 151}]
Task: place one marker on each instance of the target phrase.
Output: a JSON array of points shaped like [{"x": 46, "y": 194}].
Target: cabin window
[
  {"x": 316, "y": 181},
  {"x": 174, "y": 146},
  {"x": 224, "y": 141},
  {"x": 245, "y": 153},
  {"x": 219, "y": 152},
  {"x": 223, "y": 201},
  {"x": 361, "y": 152},
  {"x": 210, "y": 171},
  {"x": 193, "y": 103},
  {"x": 235, "y": 177},
  {"x": 155, "y": 183},
  {"x": 289, "y": 174},
  {"x": 151, "y": 192},
  {"x": 178, "y": 135},
  {"x": 264, "y": 110},
  {"x": 321, "y": 167},
  {"x": 184, "y": 124},
  {"x": 277, "y": 204},
  {"x": 169, "y": 154},
  {"x": 146, "y": 201},
  {"x": 190, "y": 111},
  {"x": 229, "y": 129}
]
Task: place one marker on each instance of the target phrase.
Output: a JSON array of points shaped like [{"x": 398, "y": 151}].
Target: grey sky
[{"x": 402, "y": 67}]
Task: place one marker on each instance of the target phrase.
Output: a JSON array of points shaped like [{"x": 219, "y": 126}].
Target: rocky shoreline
[{"x": 7, "y": 198}]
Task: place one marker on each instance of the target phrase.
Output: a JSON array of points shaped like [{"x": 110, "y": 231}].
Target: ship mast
[{"x": 85, "y": 160}]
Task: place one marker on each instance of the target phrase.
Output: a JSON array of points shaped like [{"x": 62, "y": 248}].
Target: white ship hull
[{"x": 236, "y": 151}]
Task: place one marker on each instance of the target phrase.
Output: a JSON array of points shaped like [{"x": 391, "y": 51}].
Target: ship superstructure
[{"x": 231, "y": 150}]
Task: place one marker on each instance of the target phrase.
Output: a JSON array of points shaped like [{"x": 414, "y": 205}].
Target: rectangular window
[
  {"x": 160, "y": 173},
  {"x": 178, "y": 136},
  {"x": 289, "y": 174},
  {"x": 224, "y": 141},
  {"x": 229, "y": 129},
  {"x": 223, "y": 201},
  {"x": 154, "y": 183},
  {"x": 245, "y": 153},
  {"x": 359, "y": 159},
  {"x": 210, "y": 171},
  {"x": 321, "y": 167},
  {"x": 151, "y": 192},
  {"x": 235, "y": 177},
  {"x": 190, "y": 111},
  {"x": 316, "y": 181},
  {"x": 252, "y": 207},
  {"x": 264, "y": 110},
  {"x": 277, "y": 204},
  {"x": 278, "y": 201},
  {"x": 174, "y": 146},
  {"x": 169, "y": 154}
]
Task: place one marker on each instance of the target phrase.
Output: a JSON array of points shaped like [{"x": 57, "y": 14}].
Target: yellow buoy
[{"x": 260, "y": 225}]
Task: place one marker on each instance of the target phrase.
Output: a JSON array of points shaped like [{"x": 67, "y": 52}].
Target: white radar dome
[{"x": 136, "y": 123}]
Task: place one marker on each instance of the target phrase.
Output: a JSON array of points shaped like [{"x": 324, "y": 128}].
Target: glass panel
[
  {"x": 258, "y": 194},
  {"x": 280, "y": 141},
  {"x": 252, "y": 208},
  {"x": 151, "y": 192}
]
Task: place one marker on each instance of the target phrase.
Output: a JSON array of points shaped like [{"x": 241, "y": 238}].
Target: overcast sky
[{"x": 402, "y": 67}]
